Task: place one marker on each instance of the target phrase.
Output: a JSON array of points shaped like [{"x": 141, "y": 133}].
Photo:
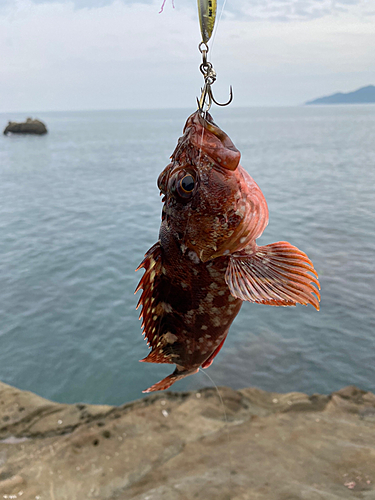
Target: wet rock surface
[
  {"x": 30, "y": 126},
  {"x": 182, "y": 446}
]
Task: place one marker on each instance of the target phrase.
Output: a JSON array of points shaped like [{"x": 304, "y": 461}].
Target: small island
[
  {"x": 30, "y": 126},
  {"x": 364, "y": 95}
]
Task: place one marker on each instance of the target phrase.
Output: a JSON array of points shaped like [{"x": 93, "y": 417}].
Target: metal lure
[{"x": 207, "y": 16}]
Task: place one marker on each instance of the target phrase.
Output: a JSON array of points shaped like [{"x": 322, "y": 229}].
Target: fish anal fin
[
  {"x": 170, "y": 380},
  {"x": 210, "y": 360},
  {"x": 278, "y": 274}
]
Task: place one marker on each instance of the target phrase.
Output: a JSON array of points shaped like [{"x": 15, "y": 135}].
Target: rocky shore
[{"x": 182, "y": 446}]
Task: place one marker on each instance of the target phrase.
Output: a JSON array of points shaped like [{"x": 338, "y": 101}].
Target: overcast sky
[{"x": 117, "y": 54}]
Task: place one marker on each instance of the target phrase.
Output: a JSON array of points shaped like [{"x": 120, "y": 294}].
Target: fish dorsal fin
[
  {"x": 150, "y": 300},
  {"x": 158, "y": 323},
  {"x": 152, "y": 266},
  {"x": 278, "y": 275}
]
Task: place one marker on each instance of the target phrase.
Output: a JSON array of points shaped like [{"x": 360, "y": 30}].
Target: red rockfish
[{"x": 207, "y": 262}]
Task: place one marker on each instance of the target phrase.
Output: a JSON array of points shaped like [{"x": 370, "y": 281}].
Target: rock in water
[{"x": 30, "y": 126}]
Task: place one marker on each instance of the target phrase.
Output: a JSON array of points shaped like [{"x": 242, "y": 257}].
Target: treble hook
[
  {"x": 209, "y": 74},
  {"x": 207, "y": 98},
  {"x": 225, "y": 103}
]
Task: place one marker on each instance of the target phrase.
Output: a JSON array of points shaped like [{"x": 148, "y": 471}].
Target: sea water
[{"x": 79, "y": 207}]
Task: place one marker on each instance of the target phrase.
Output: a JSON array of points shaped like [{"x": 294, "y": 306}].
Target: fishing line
[
  {"x": 225, "y": 426},
  {"x": 217, "y": 25},
  {"x": 190, "y": 210},
  {"x": 199, "y": 159},
  {"x": 204, "y": 116}
]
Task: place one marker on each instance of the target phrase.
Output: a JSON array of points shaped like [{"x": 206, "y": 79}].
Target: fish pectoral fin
[
  {"x": 278, "y": 275},
  {"x": 171, "y": 379}
]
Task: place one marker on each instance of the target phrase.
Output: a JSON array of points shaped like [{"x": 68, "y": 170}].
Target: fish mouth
[
  {"x": 206, "y": 136},
  {"x": 208, "y": 123}
]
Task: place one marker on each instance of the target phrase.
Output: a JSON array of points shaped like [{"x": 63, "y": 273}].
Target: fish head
[{"x": 212, "y": 207}]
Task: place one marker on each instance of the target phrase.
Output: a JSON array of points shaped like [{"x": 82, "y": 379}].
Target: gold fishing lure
[{"x": 207, "y": 15}]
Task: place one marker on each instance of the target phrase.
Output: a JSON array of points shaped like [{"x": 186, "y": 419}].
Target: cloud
[
  {"x": 119, "y": 54},
  {"x": 58, "y": 57},
  {"x": 275, "y": 10},
  {"x": 287, "y": 10},
  {"x": 92, "y": 4},
  {"x": 78, "y": 4}
]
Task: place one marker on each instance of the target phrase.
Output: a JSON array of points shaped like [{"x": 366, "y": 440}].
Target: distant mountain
[{"x": 360, "y": 96}]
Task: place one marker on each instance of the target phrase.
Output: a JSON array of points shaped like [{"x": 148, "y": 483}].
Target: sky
[{"x": 124, "y": 54}]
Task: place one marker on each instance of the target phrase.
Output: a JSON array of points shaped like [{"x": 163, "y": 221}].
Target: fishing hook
[{"x": 209, "y": 74}]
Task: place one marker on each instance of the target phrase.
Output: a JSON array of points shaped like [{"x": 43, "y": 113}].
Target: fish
[{"x": 206, "y": 262}]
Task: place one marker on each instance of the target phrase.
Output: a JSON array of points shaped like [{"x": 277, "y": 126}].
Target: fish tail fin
[
  {"x": 278, "y": 275},
  {"x": 171, "y": 379}
]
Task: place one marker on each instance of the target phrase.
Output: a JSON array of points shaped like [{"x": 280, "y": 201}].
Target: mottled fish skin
[{"x": 207, "y": 261}]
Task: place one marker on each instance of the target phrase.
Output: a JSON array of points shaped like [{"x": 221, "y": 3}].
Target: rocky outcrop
[
  {"x": 30, "y": 126},
  {"x": 182, "y": 446}
]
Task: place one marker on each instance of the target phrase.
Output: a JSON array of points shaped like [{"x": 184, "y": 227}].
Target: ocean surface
[{"x": 79, "y": 207}]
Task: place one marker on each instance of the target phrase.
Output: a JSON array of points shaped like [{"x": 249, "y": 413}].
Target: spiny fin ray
[{"x": 151, "y": 324}]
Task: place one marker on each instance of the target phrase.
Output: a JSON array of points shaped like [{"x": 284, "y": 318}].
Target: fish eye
[
  {"x": 187, "y": 183},
  {"x": 183, "y": 185}
]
